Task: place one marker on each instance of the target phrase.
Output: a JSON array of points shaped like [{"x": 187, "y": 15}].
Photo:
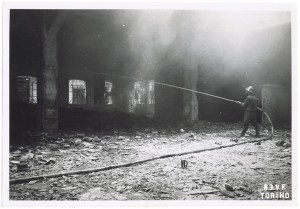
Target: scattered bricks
[
  {"x": 78, "y": 141},
  {"x": 22, "y": 167},
  {"x": 38, "y": 157},
  {"x": 196, "y": 179},
  {"x": 203, "y": 192},
  {"x": 227, "y": 193},
  {"x": 17, "y": 154},
  {"x": 53, "y": 147},
  {"x": 239, "y": 193},
  {"x": 93, "y": 158},
  {"x": 38, "y": 148},
  {"x": 30, "y": 155},
  {"x": 258, "y": 143},
  {"x": 50, "y": 161},
  {"x": 88, "y": 139},
  {"x": 165, "y": 196},
  {"x": 287, "y": 145},
  {"x": 280, "y": 143},
  {"x": 234, "y": 140},
  {"x": 42, "y": 161},
  {"x": 185, "y": 189},
  {"x": 27, "y": 156},
  {"x": 208, "y": 182},
  {"x": 229, "y": 187},
  {"x": 96, "y": 139},
  {"x": 246, "y": 189},
  {"x": 33, "y": 181},
  {"x": 87, "y": 144}
]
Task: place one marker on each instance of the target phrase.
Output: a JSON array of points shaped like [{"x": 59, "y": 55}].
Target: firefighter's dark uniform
[{"x": 250, "y": 105}]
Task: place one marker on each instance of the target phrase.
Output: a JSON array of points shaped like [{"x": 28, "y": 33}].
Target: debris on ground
[
  {"x": 227, "y": 193},
  {"x": 221, "y": 174},
  {"x": 229, "y": 187}
]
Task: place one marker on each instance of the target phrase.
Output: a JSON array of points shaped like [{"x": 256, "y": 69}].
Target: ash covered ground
[{"x": 237, "y": 173}]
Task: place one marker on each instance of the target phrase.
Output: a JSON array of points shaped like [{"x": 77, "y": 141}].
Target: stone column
[
  {"x": 190, "y": 72},
  {"x": 190, "y": 102},
  {"x": 49, "y": 109}
]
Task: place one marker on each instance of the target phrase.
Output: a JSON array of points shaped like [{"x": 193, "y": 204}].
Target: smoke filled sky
[
  {"x": 205, "y": 36},
  {"x": 139, "y": 41},
  {"x": 228, "y": 49}
]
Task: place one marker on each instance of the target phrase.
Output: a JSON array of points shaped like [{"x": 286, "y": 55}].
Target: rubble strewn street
[{"x": 236, "y": 173}]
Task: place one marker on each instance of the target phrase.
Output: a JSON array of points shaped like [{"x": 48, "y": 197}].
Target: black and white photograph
[{"x": 130, "y": 104}]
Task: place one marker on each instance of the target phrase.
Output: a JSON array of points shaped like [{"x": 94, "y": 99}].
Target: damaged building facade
[{"x": 109, "y": 61}]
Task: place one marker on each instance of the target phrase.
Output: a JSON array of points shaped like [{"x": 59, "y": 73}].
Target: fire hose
[
  {"x": 86, "y": 171},
  {"x": 222, "y": 98}
]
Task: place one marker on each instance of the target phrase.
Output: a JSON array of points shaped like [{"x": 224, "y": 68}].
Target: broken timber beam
[{"x": 28, "y": 179}]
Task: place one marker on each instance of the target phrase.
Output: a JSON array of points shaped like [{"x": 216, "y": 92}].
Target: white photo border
[{"x": 182, "y": 6}]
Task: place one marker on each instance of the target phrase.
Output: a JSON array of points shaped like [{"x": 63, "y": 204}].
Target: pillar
[
  {"x": 49, "y": 84},
  {"x": 190, "y": 74},
  {"x": 190, "y": 102}
]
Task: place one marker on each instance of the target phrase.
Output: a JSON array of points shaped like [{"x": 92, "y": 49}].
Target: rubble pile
[{"x": 231, "y": 173}]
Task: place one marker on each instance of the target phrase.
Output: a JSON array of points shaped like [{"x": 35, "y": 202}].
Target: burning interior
[{"x": 87, "y": 82}]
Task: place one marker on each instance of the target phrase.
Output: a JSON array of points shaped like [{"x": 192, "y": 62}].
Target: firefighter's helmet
[{"x": 250, "y": 89}]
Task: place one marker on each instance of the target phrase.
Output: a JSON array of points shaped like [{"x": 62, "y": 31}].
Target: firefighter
[{"x": 249, "y": 106}]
